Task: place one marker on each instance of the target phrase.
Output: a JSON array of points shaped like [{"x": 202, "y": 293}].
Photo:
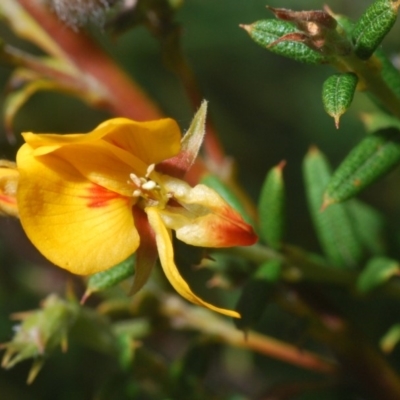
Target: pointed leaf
[
  {"x": 377, "y": 271},
  {"x": 271, "y": 207},
  {"x": 371, "y": 159},
  {"x": 373, "y": 26},
  {"x": 111, "y": 277},
  {"x": 369, "y": 226},
  {"x": 337, "y": 94},
  {"x": 267, "y": 33},
  {"x": 334, "y": 228}
]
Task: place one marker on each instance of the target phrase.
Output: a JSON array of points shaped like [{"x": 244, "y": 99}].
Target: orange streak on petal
[
  {"x": 235, "y": 229},
  {"x": 8, "y": 199},
  {"x": 100, "y": 197}
]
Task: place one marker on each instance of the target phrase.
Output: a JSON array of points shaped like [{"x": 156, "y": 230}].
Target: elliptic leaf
[
  {"x": 267, "y": 33},
  {"x": 337, "y": 94},
  {"x": 371, "y": 159},
  {"x": 271, "y": 207},
  {"x": 334, "y": 227},
  {"x": 373, "y": 26}
]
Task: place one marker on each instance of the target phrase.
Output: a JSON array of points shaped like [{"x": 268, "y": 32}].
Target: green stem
[{"x": 369, "y": 73}]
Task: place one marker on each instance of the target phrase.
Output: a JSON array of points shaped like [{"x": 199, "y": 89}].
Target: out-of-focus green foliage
[{"x": 314, "y": 324}]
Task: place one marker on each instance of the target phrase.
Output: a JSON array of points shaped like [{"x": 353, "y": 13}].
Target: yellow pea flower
[{"x": 88, "y": 201}]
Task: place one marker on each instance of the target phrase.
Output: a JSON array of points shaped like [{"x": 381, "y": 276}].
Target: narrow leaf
[
  {"x": 111, "y": 277},
  {"x": 337, "y": 94},
  {"x": 389, "y": 72},
  {"x": 371, "y": 159},
  {"x": 333, "y": 225},
  {"x": 369, "y": 226},
  {"x": 271, "y": 207},
  {"x": 269, "y": 33},
  {"x": 377, "y": 271},
  {"x": 373, "y": 26}
]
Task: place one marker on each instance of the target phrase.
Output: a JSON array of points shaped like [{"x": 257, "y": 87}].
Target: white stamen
[
  {"x": 150, "y": 169},
  {"x": 137, "y": 193},
  {"x": 135, "y": 179},
  {"x": 149, "y": 185}
]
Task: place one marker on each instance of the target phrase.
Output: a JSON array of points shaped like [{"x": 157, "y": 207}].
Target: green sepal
[
  {"x": 333, "y": 225},
  {"x": 377, "y": 271},
  {"x": 257, "y": 293},
  {"x": 369, "y": 226},
  {"x": 266, "y": 32},
  {"x": 371, "y": 159},
  {"x": 337, "y": 94},
  {"x": 111, "y": 277},
  {"x": 373, "y": 26},
  {"x": 271, "y": 207},
  {"x": 228, "y": 195}
]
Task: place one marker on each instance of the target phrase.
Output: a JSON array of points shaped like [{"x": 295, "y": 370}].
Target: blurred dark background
[{"x": 266, "y": 109}]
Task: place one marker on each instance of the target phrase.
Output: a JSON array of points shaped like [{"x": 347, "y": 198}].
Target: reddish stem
[{"x": 125, "y": 98}]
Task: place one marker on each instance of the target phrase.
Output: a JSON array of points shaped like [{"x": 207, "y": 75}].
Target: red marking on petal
[
  {"x": 99, "y": 196},
  {"x": 7, "y": 199},
  {"x": 236, "y": 232}
]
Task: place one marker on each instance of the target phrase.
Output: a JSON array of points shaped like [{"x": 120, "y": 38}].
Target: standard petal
[
  {"x": 99, "y": 164},
  {"x": 205, "y": 219},
  {"x": 151, "y": 141},
  {"x": 166, "y": 254},
  {"x": 76, "y": 224}
]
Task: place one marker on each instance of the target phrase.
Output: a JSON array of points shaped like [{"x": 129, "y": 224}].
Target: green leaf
[
  {"x": 271, "y": 207},
  {"x": 377, "y": 271},
  {"x": 334, "y": 227},
  {"x": 373, "y": 26},
  {"x": 390, "y": 339},
  {"x": 390, "y": 74},
  {"x": 379, "y": 120},
  {"x": 371, "y": 159},
  {"x": 268, "y": 31},
  {"x": 337, "y": 94},
  {"x": 110, "y": 277},
  {"x": 256, "y": 294},
  {"x": 369, "y": 226}
]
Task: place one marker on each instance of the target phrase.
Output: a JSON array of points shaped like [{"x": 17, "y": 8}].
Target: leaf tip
[
  {"x": 86, "y": 295},
  {"x": 281, "y": 165},
  {"x": 337, "y": 120},
  {"x": 326, "y": 202}
]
